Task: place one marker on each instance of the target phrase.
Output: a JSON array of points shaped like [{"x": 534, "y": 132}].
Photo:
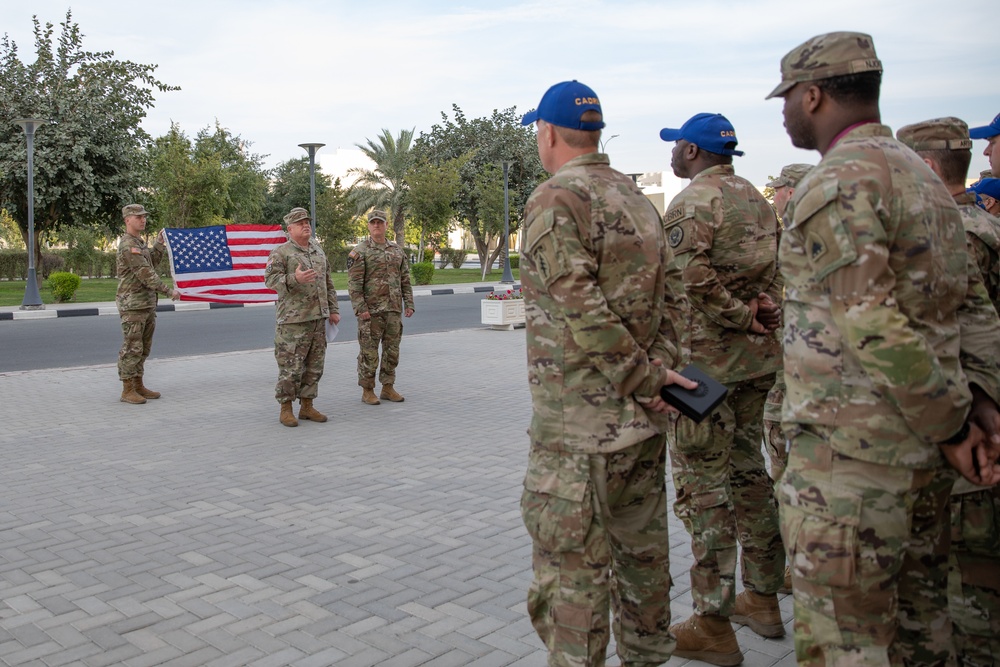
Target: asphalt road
[{"x": 84, "y": 341}]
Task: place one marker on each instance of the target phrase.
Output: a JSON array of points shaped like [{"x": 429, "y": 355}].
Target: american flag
[{"x": 223, "y": 263}]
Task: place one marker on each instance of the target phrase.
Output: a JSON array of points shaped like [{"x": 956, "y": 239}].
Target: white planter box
[{"x": 503, "y": 315}]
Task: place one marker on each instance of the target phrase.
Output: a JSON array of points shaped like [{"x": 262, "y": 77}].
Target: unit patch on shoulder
[
  {"x": 815, "y": 246},
  {"x": 675, "y": 236},
  {"x": 674, "y": 214}
]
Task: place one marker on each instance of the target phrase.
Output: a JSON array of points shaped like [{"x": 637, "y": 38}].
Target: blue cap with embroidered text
[
  {"x": 708, "y": 131},
  {"x": 563, "y": 104},
  {"x": 986, "y": 131},
  {"x": 988, "y": 186}
]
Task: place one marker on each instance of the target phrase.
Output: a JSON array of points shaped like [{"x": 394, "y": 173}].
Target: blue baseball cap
[
  {"x": 563, "y": 104},
  {"x": 988, "y": 186},
  {"x": 986, "y": 131},
  {"x": 708, "y": 131}
]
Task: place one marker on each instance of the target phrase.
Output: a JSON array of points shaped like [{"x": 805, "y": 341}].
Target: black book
[{"x": 695, "y": 403}]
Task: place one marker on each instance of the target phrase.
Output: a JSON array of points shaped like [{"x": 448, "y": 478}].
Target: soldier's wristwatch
[{"x": 959, "y": 437}]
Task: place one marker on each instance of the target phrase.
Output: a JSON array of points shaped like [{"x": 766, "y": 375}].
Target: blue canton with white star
[{"x": 200, "y": 249}]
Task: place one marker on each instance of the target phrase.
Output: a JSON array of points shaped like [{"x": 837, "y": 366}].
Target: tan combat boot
[
  {"x": 308, "y": 412},
  {"x": 709, "y": 638},
  {"x": 760, "y": 613},
  {"x": 129, "y": 394},
  {"x": 390, "y": 394},
  {"x": 786, "y": 586},
  {"x": 368, "y": 396},
  {"x": 143, "y": 391},
  {"x": 287, "y": 417}
]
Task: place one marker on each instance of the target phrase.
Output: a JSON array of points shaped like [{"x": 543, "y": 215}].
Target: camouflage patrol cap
[
  {"x": 937, "y": 134},
  {"x": 825, "y": 56},
  {"x": 790, "y": 175},
  {"x": 297, "y": 214},
  {"x": 377, "y": 215},
  {"x": 133, "y": 209}
]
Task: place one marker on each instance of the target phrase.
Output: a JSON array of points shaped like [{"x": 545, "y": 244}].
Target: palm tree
[{"x": 385, "y": 186}]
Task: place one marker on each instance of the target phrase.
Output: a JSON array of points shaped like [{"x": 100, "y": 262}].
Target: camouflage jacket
[
  {"x": 300, "y": 302},
  {"x": 138, "y": 282},
  {"x": 875, "y": 271},
  {"x": 600, "y": 307},
  {"x": 983, "y": 232},
  {"x": 724, "y": 236},
  {"x": 379, "y": 278}
]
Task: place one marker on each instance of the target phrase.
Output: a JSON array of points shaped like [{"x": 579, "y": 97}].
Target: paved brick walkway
[{"x": 196, "y": 530}]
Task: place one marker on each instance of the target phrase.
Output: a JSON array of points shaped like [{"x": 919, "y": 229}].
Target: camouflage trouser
[
  {"x": 774, "y": 437},
  {"x": 300, "y": 350},
  {"x": 598, "y": 525},
  {"x": 869, "y": 557},
  {"x": 724, "y": 495},
  {"x": 384, "y": 328},
  {"x": 974, "y": 576},
  {"x": 137, "y": 331}
]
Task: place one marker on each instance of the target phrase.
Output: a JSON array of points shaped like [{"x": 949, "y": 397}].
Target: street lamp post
[
  {"x": 604, "y": 144},
  {"x": 312, "y": 148},
  {"x": 508, "y": 276},
  {"x": 32, "y": 299}
]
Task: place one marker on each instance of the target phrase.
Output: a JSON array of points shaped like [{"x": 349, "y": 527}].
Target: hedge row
[{"x": 92, "y": 264}]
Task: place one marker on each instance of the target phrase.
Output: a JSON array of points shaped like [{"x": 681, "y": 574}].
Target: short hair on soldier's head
[
  {"x": 582, "y": 138},
  {"x": 716, "y": 159},
  {"x": 853, "y": 89},
  {"x": 954, "y": 165}
]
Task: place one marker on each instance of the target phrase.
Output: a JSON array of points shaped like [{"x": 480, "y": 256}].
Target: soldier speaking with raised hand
[{"x": 299, "y": 272}]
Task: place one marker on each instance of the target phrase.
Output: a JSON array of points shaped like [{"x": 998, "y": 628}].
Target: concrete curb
[{"x": 109, "y": 308}]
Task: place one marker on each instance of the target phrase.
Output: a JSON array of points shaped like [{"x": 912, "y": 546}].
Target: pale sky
[{"x": 337, "y": 72}]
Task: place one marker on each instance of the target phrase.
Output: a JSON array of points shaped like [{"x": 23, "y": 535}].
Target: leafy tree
[
  {"x": 245, "y": 179},
  {"x": 486, "y": 142},
  {"x": 385, "y": 187},
  {"x": 185, "y": 192},
  {"x": 336, "y": 221},
  {"x": 433, "y": 189},
  {"x": 91, "y": 160},
  {"x": 10, "y": 235},
  {"x": 213, "y": 180}
]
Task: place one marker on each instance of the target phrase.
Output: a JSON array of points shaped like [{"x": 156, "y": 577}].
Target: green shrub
[
  {"x": 515, "y": 261},
  {"x": 423, "y": 272},
  {"x": 63, "y": 285}
]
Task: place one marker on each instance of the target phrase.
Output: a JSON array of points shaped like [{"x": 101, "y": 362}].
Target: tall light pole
[
  {"x": 508, "y": 277},
  {"x": 312, "y": 148},
  {"x": 32, "y": 299},
  {"x": 604, "y": 144}
]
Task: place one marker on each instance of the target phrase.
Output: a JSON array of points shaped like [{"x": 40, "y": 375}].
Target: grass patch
[{"x": 103, "y": 289}]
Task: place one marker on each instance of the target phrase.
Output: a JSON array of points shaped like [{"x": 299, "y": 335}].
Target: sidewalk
[
  {"x": 166, "y": 305},
  {"x": 196, "y": 530}
]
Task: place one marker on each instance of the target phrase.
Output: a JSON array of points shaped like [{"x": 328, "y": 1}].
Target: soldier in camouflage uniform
[
  {"x": 601, "y": 309},
  {"x": 875, "y": 271},
  {"x": 991, "y": 133},
  {"x": 974, "y": 560},
  {"x": 379, "y": 284},
  {"x": 724, "y": 235},
  {"x": 299, "y": 272},
  {"x": 138, "y": 285},
  {"x": 774, "y": 439}
]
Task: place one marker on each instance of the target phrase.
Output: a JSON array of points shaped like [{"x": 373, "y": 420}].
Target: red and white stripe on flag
[{"x": 223, "y": 263}]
